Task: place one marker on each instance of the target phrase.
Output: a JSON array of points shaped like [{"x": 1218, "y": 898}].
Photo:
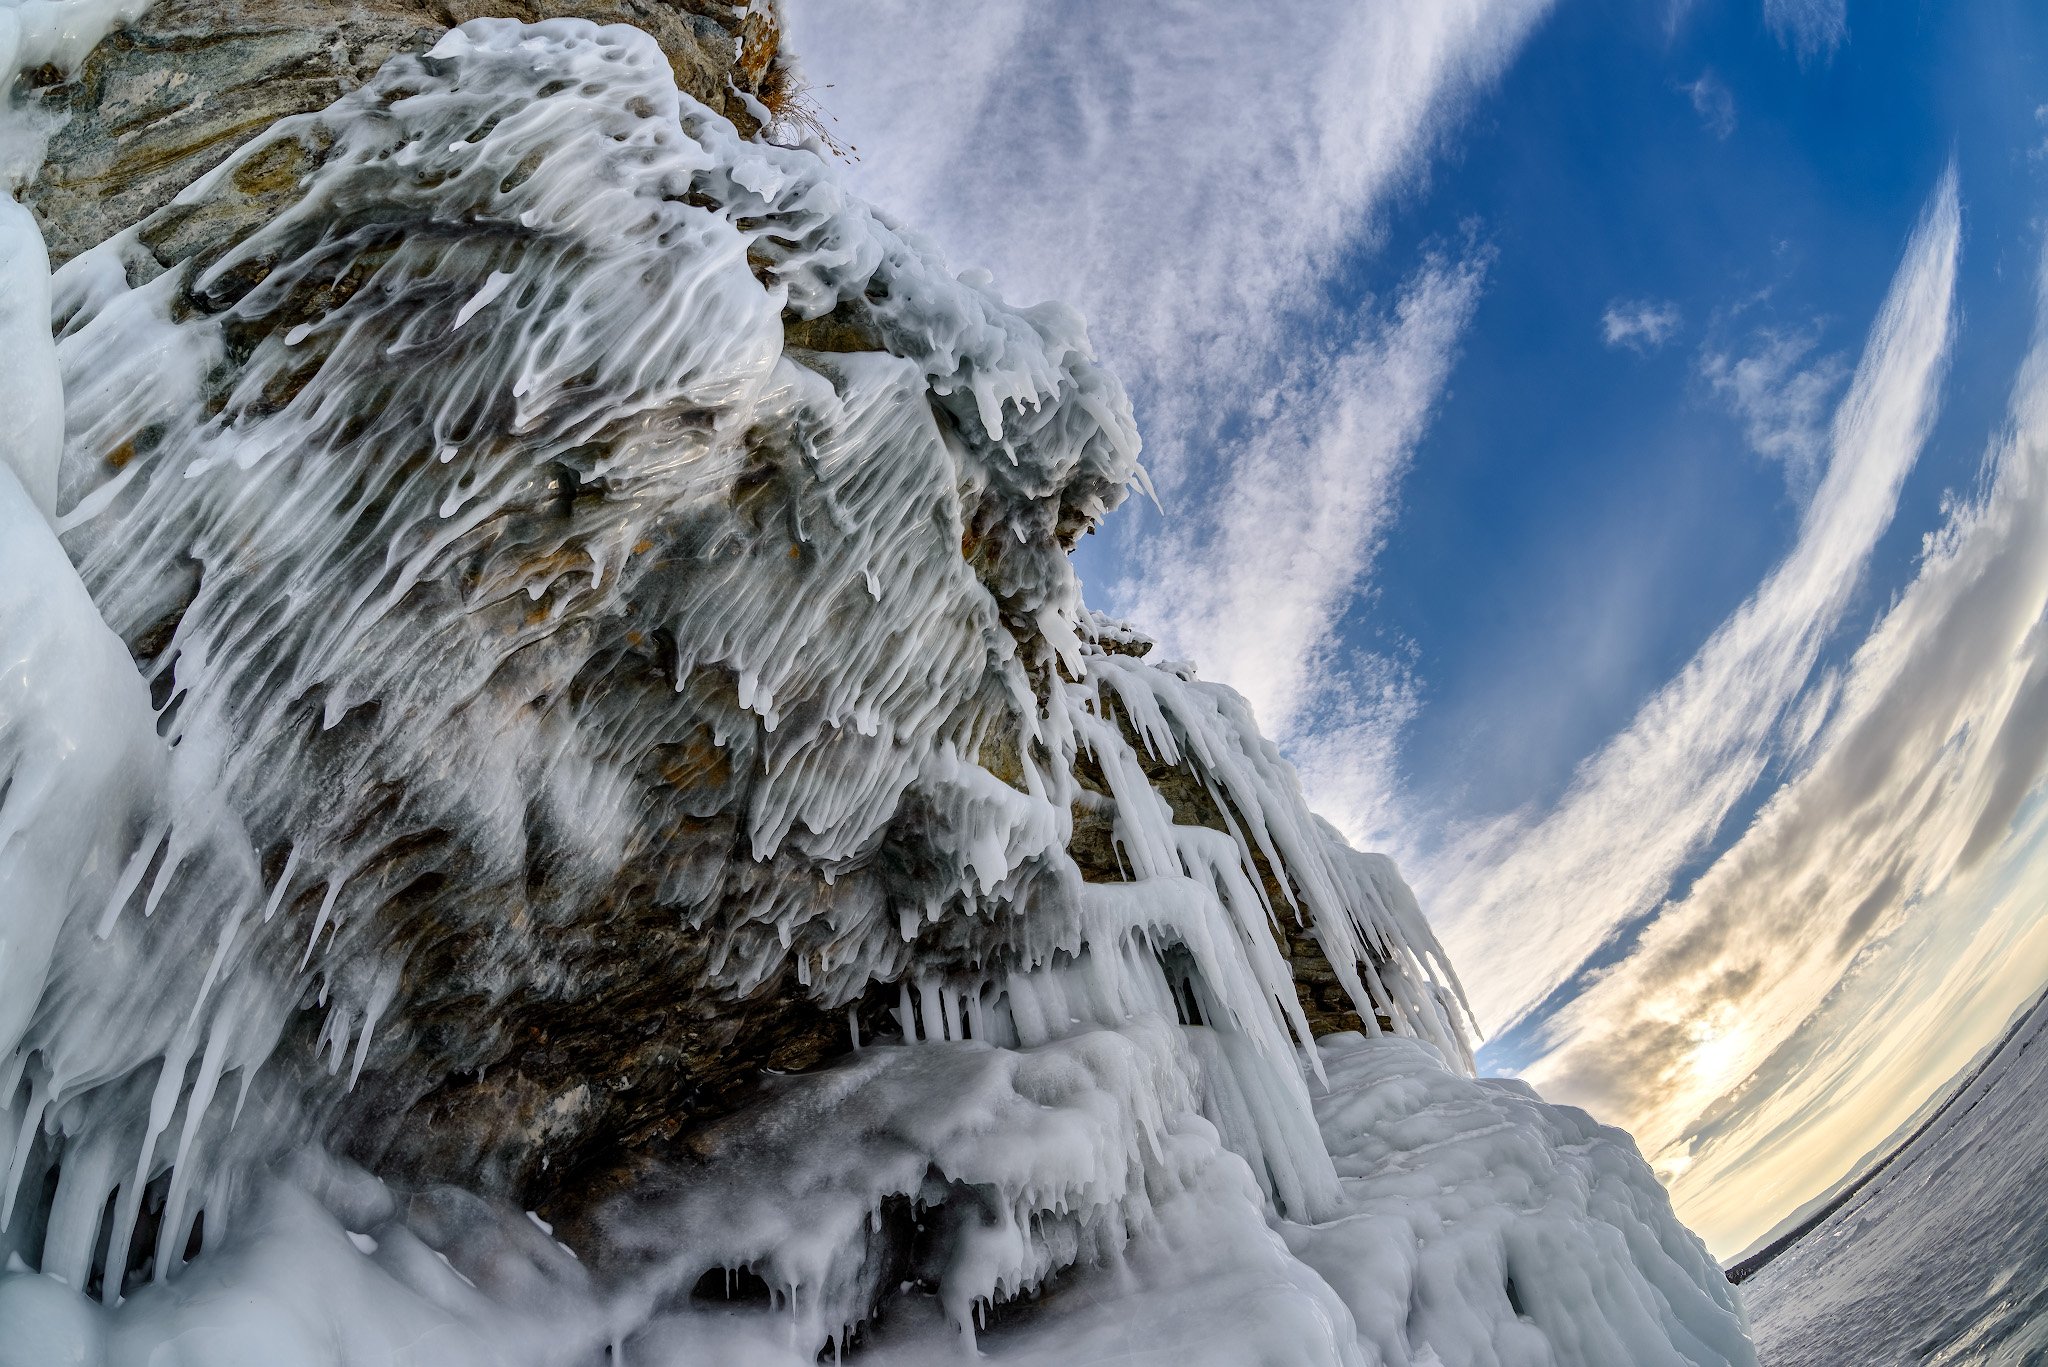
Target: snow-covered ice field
[{"x": 1943, "y": 1257}]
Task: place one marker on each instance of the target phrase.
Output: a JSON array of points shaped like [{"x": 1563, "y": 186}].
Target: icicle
[
  {"x": 83, "y": 1186},
  {"x": 31, "y": 1121},
  {"x": 284, "y": 880},
  {"x": 906, "y": 728},
  {"x": 334, "y": 882},
  {"x": 131, "y": 876},
  {"x": 929, "y": 1011},
  {"x": 171, "y": 1234},
  {"x": 382, "y": 991}
]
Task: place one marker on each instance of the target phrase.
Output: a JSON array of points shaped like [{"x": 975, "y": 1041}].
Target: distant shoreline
[{"x": 1745, "y": 1268}]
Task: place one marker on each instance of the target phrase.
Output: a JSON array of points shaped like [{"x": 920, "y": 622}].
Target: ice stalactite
[{"x": 562, "y": 690}]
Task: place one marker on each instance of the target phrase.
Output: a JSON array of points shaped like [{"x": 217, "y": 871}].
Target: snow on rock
[
  {"x": 31, "y": 391},
  {"x": 49, "y": 34},
  {"x": 59, "y": 33},
  {"x": 609, "y": 748},
  {"x": 78, "y": 752},
  {"x": 1486, "y": 1226},
  {"x": 1070, "y": 1185}
]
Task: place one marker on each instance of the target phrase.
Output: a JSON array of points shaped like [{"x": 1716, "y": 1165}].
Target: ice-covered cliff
[{"x": 559, "y": 802}]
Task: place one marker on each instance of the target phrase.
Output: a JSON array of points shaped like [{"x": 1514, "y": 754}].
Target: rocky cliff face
[
  {"x": 603, "y": 724},
  {"x": 165, "y": 98}
]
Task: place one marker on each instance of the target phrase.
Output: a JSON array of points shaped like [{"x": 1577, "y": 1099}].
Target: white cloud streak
[
  {"x": 1714, "y": 103},
  {"x": 1796, "y": 1003},
  {"x": 1639, "y": 324},
  {"x": 1188, "y": 176},
  {"x": 1254, "y": 585},
  {"x": 1191, "y": 178},
  {"x": 1813, "y": 28},
  {"x": 1781, "y": 393},
  {"x": 1523, "y": 901}
]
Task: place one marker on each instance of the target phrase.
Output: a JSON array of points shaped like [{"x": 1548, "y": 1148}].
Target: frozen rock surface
[
  {"x": 559, "y": 803},
  {"x": 180, "y": 84}
]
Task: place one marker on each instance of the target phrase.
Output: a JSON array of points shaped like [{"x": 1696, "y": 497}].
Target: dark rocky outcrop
[{"x": 557, "y": 1008}]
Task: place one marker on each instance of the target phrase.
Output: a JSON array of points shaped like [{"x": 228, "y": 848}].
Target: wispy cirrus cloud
[
  {"x": 1782, "y": 392},
  {"x": 1713, "y": 102},
  {"x": 1258, "y": 579},
  {"x": 1569, "y": 876},
  {"x": 1812, "y": 28},
  {"x": 1189, "y": 178},
  {"x": 1640, "y": 324},
  {"x": 1888, "y": 889}
]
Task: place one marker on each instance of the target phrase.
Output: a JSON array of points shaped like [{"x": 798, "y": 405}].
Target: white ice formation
[{"x": 520, "y": 542}]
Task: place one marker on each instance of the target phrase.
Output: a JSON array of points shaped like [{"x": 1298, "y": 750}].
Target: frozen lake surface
[{"x": 1942, "y": 1258}]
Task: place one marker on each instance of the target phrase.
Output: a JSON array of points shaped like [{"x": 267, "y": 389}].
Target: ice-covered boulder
[{"x": 608, "y": 728}]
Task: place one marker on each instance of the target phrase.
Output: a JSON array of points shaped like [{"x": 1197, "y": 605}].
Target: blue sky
[
  {"x": 1600, "y": 439},
  {"x": 1622, "y": 509}
]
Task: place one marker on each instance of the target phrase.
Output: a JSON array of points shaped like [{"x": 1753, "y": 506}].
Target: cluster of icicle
[{"x": 389, "y": 492}]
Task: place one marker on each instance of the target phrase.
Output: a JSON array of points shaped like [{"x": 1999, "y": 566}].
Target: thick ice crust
[{"x": 602, "y": 603}]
